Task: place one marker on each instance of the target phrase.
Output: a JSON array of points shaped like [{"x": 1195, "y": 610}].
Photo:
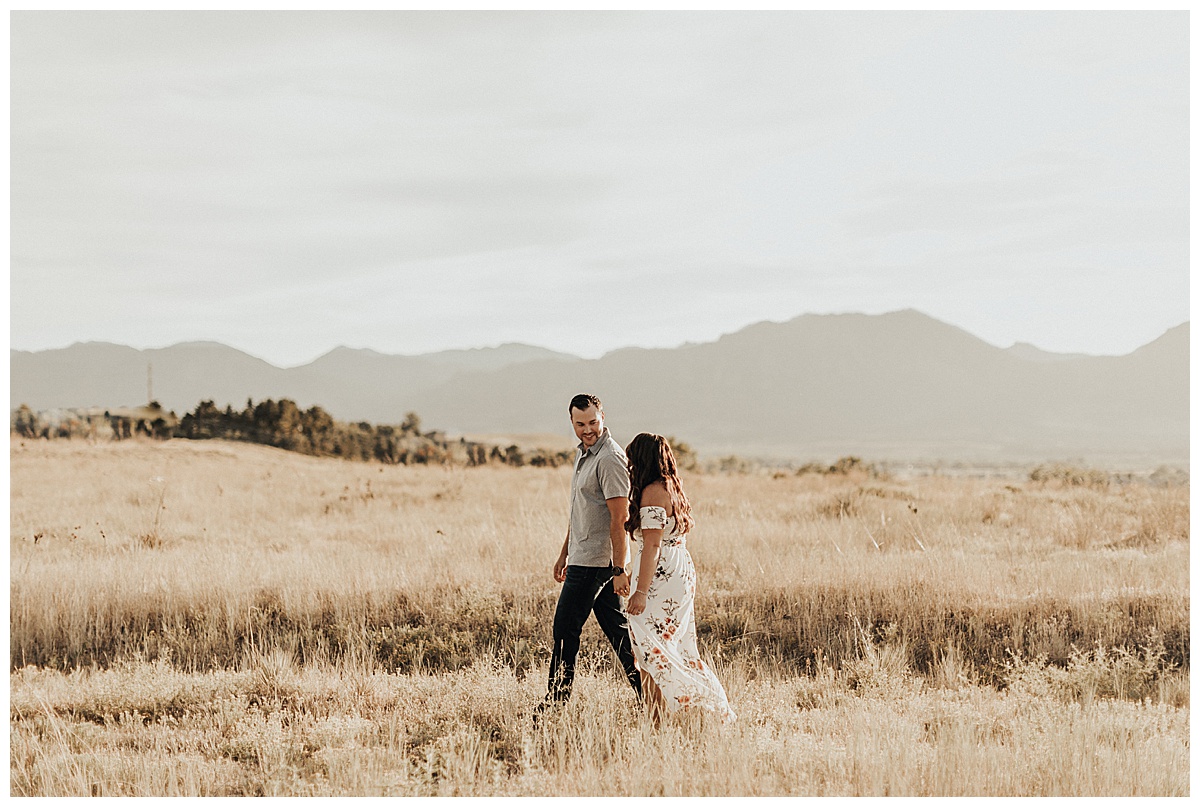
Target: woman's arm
[{"x": 655, "y": 495}]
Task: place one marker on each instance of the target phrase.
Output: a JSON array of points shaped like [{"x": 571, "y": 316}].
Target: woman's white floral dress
[{"x": 664, "y": 635}]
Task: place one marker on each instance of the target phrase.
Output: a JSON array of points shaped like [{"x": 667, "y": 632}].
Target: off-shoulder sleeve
[{"x": 653, "y": 518}]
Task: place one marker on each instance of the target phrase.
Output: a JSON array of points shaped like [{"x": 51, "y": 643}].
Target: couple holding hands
[{"x": 615, "y": 495}]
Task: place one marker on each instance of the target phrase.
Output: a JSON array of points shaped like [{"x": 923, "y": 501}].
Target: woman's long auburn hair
[{"x": 651, "y": 460}]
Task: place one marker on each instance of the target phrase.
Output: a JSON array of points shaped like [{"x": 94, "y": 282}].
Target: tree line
[
  {"x": 313, "y": 431},
  {"x": 285, "y": 425}
]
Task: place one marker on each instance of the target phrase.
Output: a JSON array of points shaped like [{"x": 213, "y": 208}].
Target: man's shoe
[{"x": 546, "y": 707}]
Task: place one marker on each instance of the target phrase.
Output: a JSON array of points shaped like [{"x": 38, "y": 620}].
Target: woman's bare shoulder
[{"x": 655, "y": 495}]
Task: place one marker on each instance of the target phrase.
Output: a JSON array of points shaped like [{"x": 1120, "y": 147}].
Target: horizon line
[{"x": 685, "y": 343}]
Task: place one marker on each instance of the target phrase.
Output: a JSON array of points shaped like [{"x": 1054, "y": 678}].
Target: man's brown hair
[{"x": 582, "y": 402}]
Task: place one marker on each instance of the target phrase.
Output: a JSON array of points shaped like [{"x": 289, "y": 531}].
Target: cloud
[{"x": 295, "y": 180}]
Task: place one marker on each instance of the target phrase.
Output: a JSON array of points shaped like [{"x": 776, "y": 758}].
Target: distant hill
[
  {"x": 352, "y": 384},
  {"x": 898, "y": 385},
  {"x": 103, "y": 374},
  {"x": 1024, "y": 350}
]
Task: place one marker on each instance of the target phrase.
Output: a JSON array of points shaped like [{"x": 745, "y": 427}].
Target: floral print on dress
[
  {"x": 653, "y": 518},
  {"x": 664, "y": 635}
]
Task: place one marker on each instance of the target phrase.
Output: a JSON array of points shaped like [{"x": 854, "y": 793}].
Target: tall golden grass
[{"x": 212, "y": 618}]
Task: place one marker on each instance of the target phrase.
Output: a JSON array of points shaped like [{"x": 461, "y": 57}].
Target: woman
[{"x": 663, "y": 585}]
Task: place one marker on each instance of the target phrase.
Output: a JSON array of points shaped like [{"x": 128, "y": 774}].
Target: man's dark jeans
[{"x": 588, "y": 589}]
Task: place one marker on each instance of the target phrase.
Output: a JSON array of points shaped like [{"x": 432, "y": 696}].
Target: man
[{"x": 595, "y": 539}]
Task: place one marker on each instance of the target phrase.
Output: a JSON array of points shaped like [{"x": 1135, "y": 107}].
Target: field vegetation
[{"x": 213, "y": 618}]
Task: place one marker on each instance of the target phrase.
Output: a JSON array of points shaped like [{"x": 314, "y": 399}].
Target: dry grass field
[{"x": 209, "y": 618}]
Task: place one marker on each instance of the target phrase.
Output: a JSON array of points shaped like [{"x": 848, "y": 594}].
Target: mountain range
[{"x": 899, "y": 386}]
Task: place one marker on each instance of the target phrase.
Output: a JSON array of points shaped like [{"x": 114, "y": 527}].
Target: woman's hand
[{"x": 636, "y": 604}]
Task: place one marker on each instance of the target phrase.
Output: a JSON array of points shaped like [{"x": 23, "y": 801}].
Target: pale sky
[{"x": 286, "y": 182}]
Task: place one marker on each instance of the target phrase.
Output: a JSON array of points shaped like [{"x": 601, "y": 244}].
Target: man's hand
[
  {"x": 560, "y": 569},
  {"x": 636, "y": 604},
  {"x": 621, "y": 584}
]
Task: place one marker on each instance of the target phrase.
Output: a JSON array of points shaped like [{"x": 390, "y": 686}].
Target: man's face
[{"x": 588, "y": 423}]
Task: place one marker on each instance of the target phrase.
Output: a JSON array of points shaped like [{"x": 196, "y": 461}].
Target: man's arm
[
  {"x": 618, "y": 514},
  {"x": 560, "y": 565}
]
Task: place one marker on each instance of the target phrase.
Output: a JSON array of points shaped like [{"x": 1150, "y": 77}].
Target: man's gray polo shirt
[{"x": 601, "y": 473}]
